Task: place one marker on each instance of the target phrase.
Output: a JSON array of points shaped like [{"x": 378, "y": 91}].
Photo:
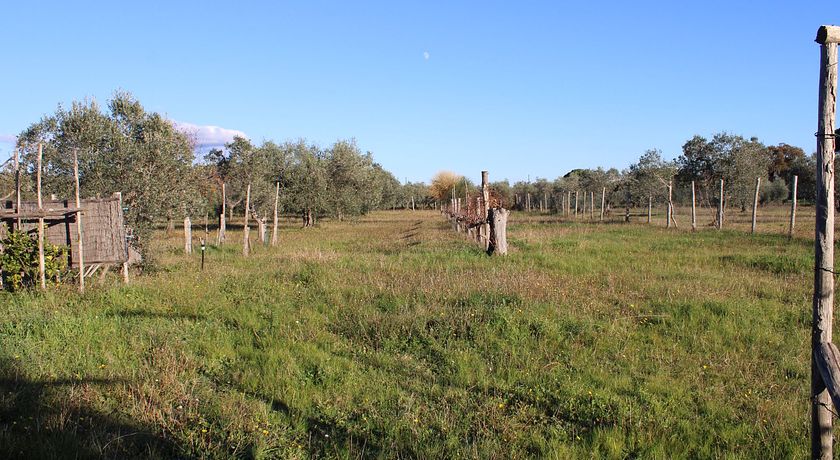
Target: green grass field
[{"x": 393, "y": 337}]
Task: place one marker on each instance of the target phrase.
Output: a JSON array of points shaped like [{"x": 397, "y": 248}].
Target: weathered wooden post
[
  {"x": 693, "y": 209},
  {"x": 720, "y": 207},
  {"x": 246, "y": 241},
  {"x": 823, "y": 305},
  {"x": 41, "y": 262},
  {"x": 670, "y": 212},
  {"x": 222, "y": 226},
  {"x": 603, "y": 201},
  {"x": 17, "y": 189},
  {"x": 568, "y": 203},
  {"x": 485, "y": 209},
  {"x": 498, "y": 231},
  {"x": 576, "y": 203},
  {"x": 755, "y": 203},
  {"x": 591, "y": 205},
  {"x": 650, "y": 208},
  {"x": 79, "y": 234},
  {"x": 118, "y": 195},
  {"x": 274, "y": 235},
  {"x": 793, "y": 207},
  {"x": 187, "y": 235}
]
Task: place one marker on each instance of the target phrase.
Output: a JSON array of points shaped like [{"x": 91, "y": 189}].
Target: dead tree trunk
[{"x": 498, "y": 231}]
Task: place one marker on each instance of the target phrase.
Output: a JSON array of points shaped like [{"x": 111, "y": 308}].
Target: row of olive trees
[
  {"x": 736, "y": 160},
  {"x": 124, "y": 148}
]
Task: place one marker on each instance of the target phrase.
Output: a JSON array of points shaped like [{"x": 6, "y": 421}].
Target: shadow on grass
[{"x": 38, "y": 421}]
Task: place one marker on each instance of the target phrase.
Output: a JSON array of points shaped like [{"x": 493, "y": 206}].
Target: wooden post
[
  {"x": 246, "y": 237},
  {"x": 485, "y": 208},
  {"x": 591, "y": 205},
  {"x": 274, "y": 235},
  {"x": 79, "y": 234},
  {"x": 41, "y": 262},
  {"x": 693, "y": 209},
  {"x": 720, "y": 207},
  {"x": 498, "y": 231},
  {"x": 127, "y": 249},
  {"x": 650, "y": 207},
  {"x": 187, "y": 235},
  {"x": 17, "y": 189},
  {"x": 576, "y": 203},
  {"x": 670, "y": 211},
  {"x": 222, "y": 226},
  {"x": 823, "y": 301},
  {"x": 603, "y": 202},
  {"x": 793, "y": 207},
  {"x": 528, "y": 201},
  {"x": 568, "y": 203},
  {"x": 755, "y": 203}
]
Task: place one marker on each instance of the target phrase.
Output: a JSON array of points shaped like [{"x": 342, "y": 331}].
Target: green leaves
[{"x": 19, "y": 261}]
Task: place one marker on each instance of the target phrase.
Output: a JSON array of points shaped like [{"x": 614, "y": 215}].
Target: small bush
[{"x": 19, "y": 261}]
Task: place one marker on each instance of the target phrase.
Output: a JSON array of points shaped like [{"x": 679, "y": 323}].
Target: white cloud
[
  {"x": 208, "y": 135},
  {"x": 8, "y": 138},
  {"x": 426, "y": 55}
]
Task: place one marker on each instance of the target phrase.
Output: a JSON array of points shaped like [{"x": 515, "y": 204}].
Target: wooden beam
[
  {"x": 79, "y": 233},
  {"x": 828, "y": 34}
]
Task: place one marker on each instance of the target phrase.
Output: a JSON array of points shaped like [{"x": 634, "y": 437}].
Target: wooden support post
[
  {"x": 755, "y": 204},
  {"x": 650, "y": 208},
  {"x": 576, "y": 203},
  {"x": 127, "y": 249},
  {"x": 79, "y": 233},
  {"x": 274, "y": 235},
  {"x": 17, "y": 188},
  {"x": 222, "y": 223},
  {"x": 823, "y": 300},
  {"x": 603, "y": 202},
  {"x": 187, "y": 235},
  {"x": 41, "y": 262},
  {"x": 591, "y": 205},
  {"x": 485, "y": 209},
  {"x": 670, "y": 213},
  {"x": 721, "y": 202},
  {"x": 498, "y": 231},
  {"x": 693, "y": 209},
  {"x": 793, "y": 207},
  {"x": 568, "y": 203},
  {"x": 246, "y": 237}
]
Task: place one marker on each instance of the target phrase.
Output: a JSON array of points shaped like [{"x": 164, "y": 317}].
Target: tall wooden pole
[
  {"x": 793, "y": 208},
  {"x": 755, "y": 203},
  {"x": 591, "y": 205},
  {"x": 41, "y": 262},
  {"x": 576, "y": 203},
  {"x": 650, "y": 208},
  {"x": 823, "y": 306},
  {"x": 17, "y": 188},
  {"x": 246, "y": 237},
  {"x": 720, "y": 207},
  {"x": 274, "y": 235},
  {"x": 118, "y": 195},
  {"x": 79, "y": 234},
  {"x": 603, "y": 202},
  {"x": 693, "y": 209},
  {"x": 187, "y": 235},
  {"x": 222, "y": 223},
  {"x": 670, "y": 207},
  {"x": 485, "y": 209}
]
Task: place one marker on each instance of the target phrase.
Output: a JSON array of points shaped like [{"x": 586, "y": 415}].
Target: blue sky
[{"x": 518, "y": 88}]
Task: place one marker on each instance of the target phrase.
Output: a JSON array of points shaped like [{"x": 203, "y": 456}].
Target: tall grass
[{"x": 394, "y": 337}]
